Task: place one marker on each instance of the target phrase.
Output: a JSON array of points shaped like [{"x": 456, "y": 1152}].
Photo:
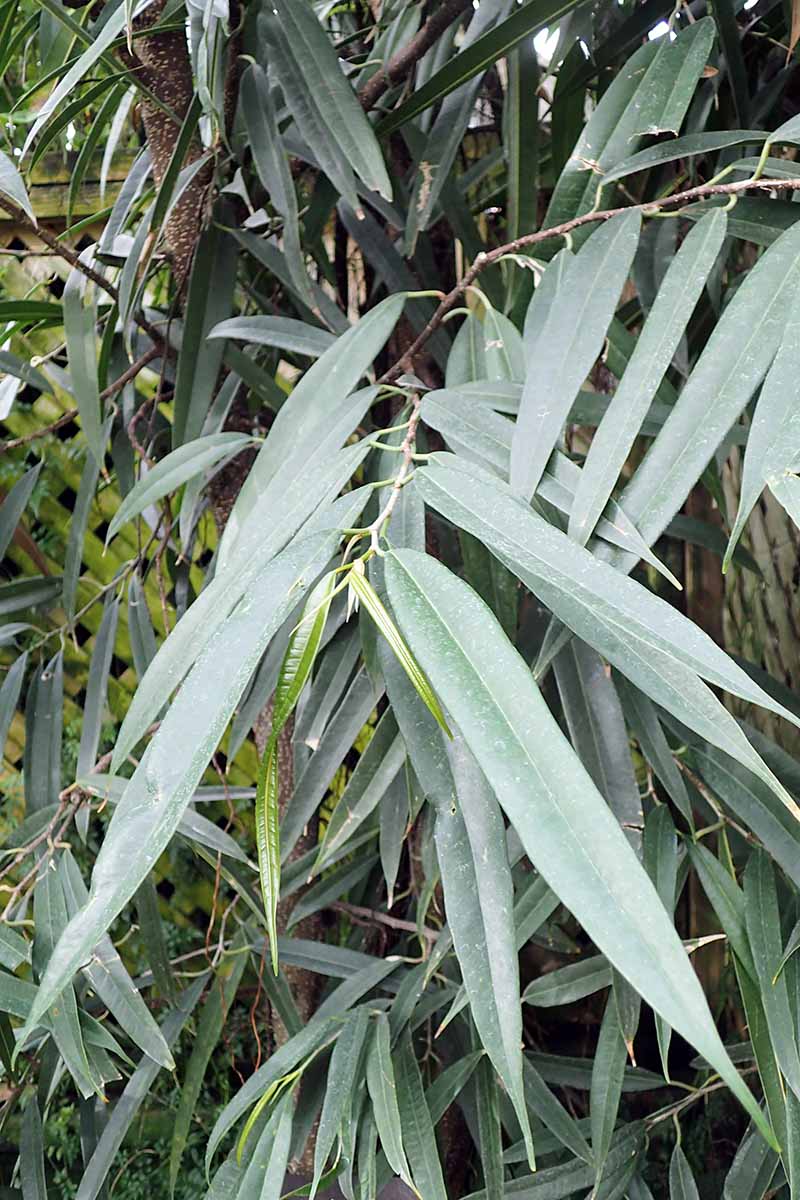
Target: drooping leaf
[
  {"x": 655, "y": 348},
  {"x": 169, "y": 473},
  {"x": 773, "y": 443},
  {"x": 571, "y": 340},
  {"x": 178, "y": 755},
  {"x": 15, "y": 504},
  {"x": 478, "y": 892},
  {"x": 323, "y": 104},
  {"x": 583, "y": 856},
  {"x": 585, "y": 593}
]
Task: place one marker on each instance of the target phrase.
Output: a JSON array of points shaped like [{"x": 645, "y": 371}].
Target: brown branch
[
  {"x": 372, "y": 917},
  {"x": 647, "y": 208},
  {"x": 401, "y": 63},
  {"x": 107, "y": 393},
  {"x": 62, "y": 250}
]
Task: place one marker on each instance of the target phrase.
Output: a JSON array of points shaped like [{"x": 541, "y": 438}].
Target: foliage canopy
[{"x": 369, "y": 382}]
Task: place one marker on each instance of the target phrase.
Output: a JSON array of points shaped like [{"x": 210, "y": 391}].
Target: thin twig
[
  {"x": 487, "y": 258},
  {"x": 107, "y": 394},
  {"x": 74, "y": 259},
  {"x": 372, "y": 916},
  {"x": 407, "y": 451},
  {"x": 403, "y": 62}
]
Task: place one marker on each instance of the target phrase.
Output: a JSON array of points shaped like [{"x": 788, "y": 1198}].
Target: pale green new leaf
[
  {"x": 374, "y": 606},
  {"x": 565, "y": 826}
]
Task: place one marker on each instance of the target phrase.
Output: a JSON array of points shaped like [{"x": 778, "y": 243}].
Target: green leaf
[
  {"x": 219, "y": 598},
  {"x": 353, "y": 712},
  {"x": 169, "y": 473},
  {"x": 567, "y": 984},
  {"x": 136, "y": 1092},
  {"x": 209, "y": 300},
  {"x": 480, "y": 435},
  {"x": 419, "y": 1140},
  {"x": 479, "y": 901},
  {"x": 727, "y": 900},
  {"x": 219, "y": 999},
  {"x": 157, "y": 795},
  {"x": 655, "y": 349},
  {"x": 754, "y": 804},
  {"x": 733, "y": 363},
  {"x": 479, "y": 55},
  {"x": 546, "y": 1107},
  {"x": 11, "y": 185},
  {"x": 662, "y": 652},
  {"x": 383, "y": 1093},
  {"x": 660, "y": 856},
  {"x": 642, "y": 716},
  {"x": 80, "y": 319},
  {"x": 656, "y": 82},
  {"x": 14, "y": 950},
  {"x": 773, "y": 443},
  {"x": 565, "y": 827},
  {"x": 50, "y": 917},
  {"x": 764, "y": 934},
  {"x": 341, "y": 1081},
  {"x": 98, "y": 46},
  {"x": 322, "y": 102},
  {"x": 283, "y": 332},
  {"x": 96, "y": 687},
  {"x": 73, "y": 558},
  {"x": 272, "y": 164},
  {"x": 15, "y": 504},
  {"x": 109, "y": 979},
  {"x": 681, "y": 1181},
  {"x": 571, "y": 340},
  {"x": 606, "y": 1090},
  {"x": 725, "y": 14},
  {"x": 490, "y": 1135},
  {"x": 31, "y": 1152},
  {"x": 688, "y": 146},
  {"x": 307, "y": 414},
  {"x": 521, "y": 138},
  {"x": 372, "y": 777},
  {"x": 43, "y": 735},
  {"x": 597, "y": 731}
]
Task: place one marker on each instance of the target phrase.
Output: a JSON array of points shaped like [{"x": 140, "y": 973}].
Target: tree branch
[
  {"x": 401, "y": 63},
  {"x": 62, "y": 250},
  {"x": 107, "y": 393},
  {"x": 647, "y": 208}
]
